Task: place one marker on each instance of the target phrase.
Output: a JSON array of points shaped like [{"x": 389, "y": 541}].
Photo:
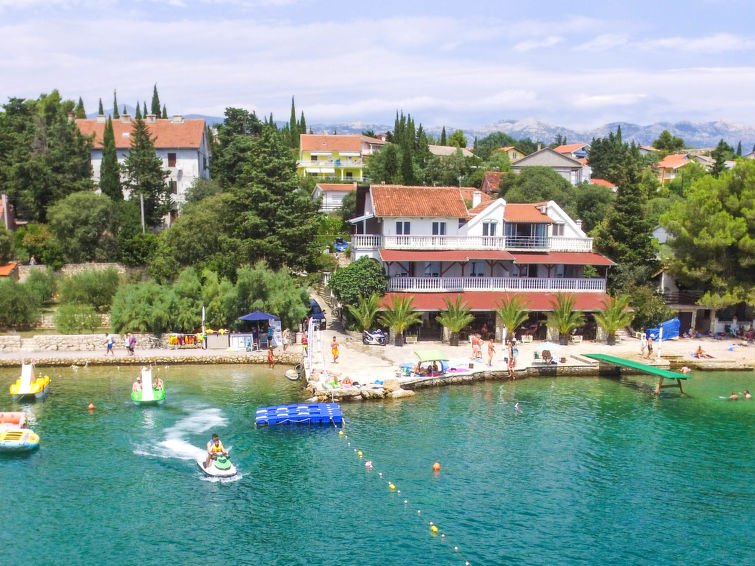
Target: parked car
[
  {"x": 315, "y": 313},
  {"x": 340, "y": 245}
]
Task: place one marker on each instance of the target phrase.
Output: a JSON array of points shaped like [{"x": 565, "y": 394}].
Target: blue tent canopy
[
  {"x": 258, "y": 315},
  {"x": 670, "y": 330}
]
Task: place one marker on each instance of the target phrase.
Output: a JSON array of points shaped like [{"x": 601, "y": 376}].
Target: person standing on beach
[
  {"x": 491, "y": 351},
  {"x": 284, "y": 337},
  {"x": 334, "y": 350},
  {"x": 643, "y": 345},
  {"x": 650, "y": 346},
  {"x": 512, "y": 359},
  {"x": 109, "y": 341}
]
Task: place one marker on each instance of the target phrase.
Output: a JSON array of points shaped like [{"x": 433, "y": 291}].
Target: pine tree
[
  {"x": 115, "y": 106},
  {"x": 443, "y": 140},
  {"x": 144, "y": 175},
  {"x": 739, "y": 149},
  {"x": 79, "y": 111},
  {"x": 138, "y": 114},
  {"x": 100, "y": 110},
  {"x": 110, "y": 171},
  {"x": 155, "y": 102},
  {"x": 165, "y": 112}
]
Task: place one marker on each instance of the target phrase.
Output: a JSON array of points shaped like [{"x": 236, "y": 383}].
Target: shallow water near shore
[{"x": 588, "y": 470}]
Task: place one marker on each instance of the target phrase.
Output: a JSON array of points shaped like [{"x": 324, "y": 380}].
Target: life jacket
[{"x": 216, "y": 449}]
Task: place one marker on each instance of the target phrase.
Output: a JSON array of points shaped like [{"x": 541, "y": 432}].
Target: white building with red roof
[
  {"x": 331, "y": 195},
  {"x": 182, "y": 144},
  {"x": 438, "y": 242},
  {"x": 334, "y": 156}
]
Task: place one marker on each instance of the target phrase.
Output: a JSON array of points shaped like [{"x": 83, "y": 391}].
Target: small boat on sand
[{"x": 27, "y": 387}]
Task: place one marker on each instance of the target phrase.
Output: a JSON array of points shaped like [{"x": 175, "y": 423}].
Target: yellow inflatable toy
[{"x": 28, "y": 387}]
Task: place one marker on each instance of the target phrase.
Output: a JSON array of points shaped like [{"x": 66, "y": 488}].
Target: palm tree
[
  {"x": 366, "y": 311},
  {"x": 512, "y": 313},
  {"x": 399, "y": 316},
  {"x": 563, "y": 318},
  {"x": 614, "y": 316},
  {"x": 456, "y": 317}
]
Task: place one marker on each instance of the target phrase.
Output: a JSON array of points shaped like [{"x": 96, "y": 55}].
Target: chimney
[
  {"x": 101, "y": 118},
  {"x": 177, "y": 119},
  {"x": 476, "y": 198},
  {"x": 579, "y": 223},
  {"x": 151, "y": 118},
  {"x": 126, "y": 118}
]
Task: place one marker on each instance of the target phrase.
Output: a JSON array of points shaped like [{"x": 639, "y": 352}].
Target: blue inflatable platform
[{"x": 308, "y": 413}]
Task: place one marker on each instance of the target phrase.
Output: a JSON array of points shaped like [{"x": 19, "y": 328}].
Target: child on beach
[
  {"x": 334, "y": 350},
  {"x": 270, "y": 357}
]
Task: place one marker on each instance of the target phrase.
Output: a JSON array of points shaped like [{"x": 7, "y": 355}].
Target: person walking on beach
[
  {"x": 284, "y": 337},
  {"x": 491, "y": 351},
  {"x": 130, "y": 343},
  {"x": 109, "y": 341},
  {"x": 512, "y": 359},
  {"x": 334, "y": 350},
  {"x": 476, "y": 347}
]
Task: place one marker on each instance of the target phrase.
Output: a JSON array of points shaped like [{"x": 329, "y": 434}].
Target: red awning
[
  {"x": 486, "y": 300},
  {"x": 443, "y": 255},
  {"x": 567, "y": 258}
]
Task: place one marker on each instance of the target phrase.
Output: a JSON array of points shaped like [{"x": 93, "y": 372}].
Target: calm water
[{"x": 590, "y": 471}]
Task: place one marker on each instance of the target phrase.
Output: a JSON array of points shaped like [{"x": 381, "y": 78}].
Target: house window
[
  {"x": 349, "y": 175},
  {"x": 520, "y": 271},
  {"x": 204, "y": 162},
  {"x": 558, "y": 229},
  {"x": 439, "y": 228},
  {"x": 171, "y": 160},
  {"x": 488, "y": 228},
  {"x": 314, "y": 158},
  {"x": 478, "y": 269},
  {"x": 402, "y": 229},
  {"x": 174, "y": 187}
]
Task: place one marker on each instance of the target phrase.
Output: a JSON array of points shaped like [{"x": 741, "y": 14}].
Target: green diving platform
[{"x": 644, "y": 368}]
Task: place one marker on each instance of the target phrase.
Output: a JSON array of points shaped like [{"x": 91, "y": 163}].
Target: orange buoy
[
  {"x": 91, "y": 407},
  {"x": 436, "y": 467}
]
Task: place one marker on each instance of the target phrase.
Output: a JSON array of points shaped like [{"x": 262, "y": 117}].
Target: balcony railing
[
  {"x": 459, "y": 284},
  {"x": 331, "y": 163},
  {"x": 553, "y": 243}
]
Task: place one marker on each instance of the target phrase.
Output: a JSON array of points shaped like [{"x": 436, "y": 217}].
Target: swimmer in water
[
  {"x": 733, "y": 396},
  {"x": 685, "y": 370},
  {"x": 516, "y": 407},
  {"x": 747, "y": 394}
]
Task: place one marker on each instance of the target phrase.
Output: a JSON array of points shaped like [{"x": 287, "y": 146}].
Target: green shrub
[
  {"x": 142, "y": 307},
  {"x": 95, "y": 288},
  {"x": 41, "y": 282},
  {"x": 73, "y": 318},
  {"x": 139, "y": 249},
  {"x": 19, "y": 307},
  {"x": 6, "y": 246}
]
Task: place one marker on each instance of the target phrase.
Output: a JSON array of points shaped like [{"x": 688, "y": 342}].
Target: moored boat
[
  {"x": 27, "y": 387},
  {"x": 18, "y": 439}
]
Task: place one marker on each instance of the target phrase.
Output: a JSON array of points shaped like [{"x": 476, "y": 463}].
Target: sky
[{"x": 459, "y": 64}]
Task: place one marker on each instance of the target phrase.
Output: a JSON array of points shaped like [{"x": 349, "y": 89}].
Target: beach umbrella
[{"x": 258, "y": 315}]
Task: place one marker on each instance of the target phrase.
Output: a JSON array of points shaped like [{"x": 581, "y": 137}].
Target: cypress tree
[
  {"x": 79, "y": 110},
  {"x": 115, "y": 106},
  {"x": 110, "y": 172},
  {"x": 144, "y": 175},
  {"x": 125, "y": 111},
  {"x": 739, "y": 149},
  {"x": 144, "y": 111},
  {"x": 302, "y": 124},
  {"x": 293, "y": 127},
  {"x": 165, "y": 112},
  {"x": 138, "y": 114},
  {"x": 155, "y": 102},
  {"x": 443, "y": 140},
  {"x": 101, "y": 110}
]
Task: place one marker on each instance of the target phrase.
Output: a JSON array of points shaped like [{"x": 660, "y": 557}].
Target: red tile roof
[
  {"x": 337, "y": 186},
  {"x": 602, "y": 183},
  {"x": 166, "y": 133},
  {"x": 525, "y": 212},
  {"x": 401, "y": 200},
  {"x": 486, "y": 300},
  {"x": 567, "y": 258},
  {"x": 331, "y": 142},
  {"x": 491, "y": 181},
  {"x": 444, "y": 255},
  {"x": 568, "y": 148},
  {"x": 674, "y": 161},
  {"x": 6, "y": 270}
]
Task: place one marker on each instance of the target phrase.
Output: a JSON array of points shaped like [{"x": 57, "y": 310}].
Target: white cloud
[
  {"x": 531, "y": 44},
  {"x": 604, "y": 42},
  {"x": 618, "y": 99},
  {"x": 716, "y": 43}
]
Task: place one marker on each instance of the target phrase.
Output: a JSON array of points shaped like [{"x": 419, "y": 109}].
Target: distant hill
[{"x": 694, "y": 134}]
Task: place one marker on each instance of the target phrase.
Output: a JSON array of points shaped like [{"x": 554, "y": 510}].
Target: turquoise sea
[{"x": 588, "y": 471}]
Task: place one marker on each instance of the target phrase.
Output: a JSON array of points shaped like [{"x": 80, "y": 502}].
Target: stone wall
[
  {"x": 88, "y": 342},
  {"x": 10, "y": 343}
]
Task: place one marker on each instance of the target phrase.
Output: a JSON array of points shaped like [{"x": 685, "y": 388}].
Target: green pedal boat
[{"x": 147, "y": 391}]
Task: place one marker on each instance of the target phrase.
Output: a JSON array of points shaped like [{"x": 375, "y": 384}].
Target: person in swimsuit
[
  {"x": 334, "y": 350},
  {"x": 214, "y": 449}
]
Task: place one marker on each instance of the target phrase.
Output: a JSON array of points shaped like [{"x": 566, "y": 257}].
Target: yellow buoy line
[{"x": 433, "y": 528}]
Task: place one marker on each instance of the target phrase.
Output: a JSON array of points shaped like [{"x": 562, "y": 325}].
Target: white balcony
[
  {"x": 554, "y": 243},
  {"x": 503, "y": 284},
  {"x": 331, "y": 163}
]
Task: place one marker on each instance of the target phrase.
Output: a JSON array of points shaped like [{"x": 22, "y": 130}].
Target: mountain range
[{"x": 694, "y": 134}]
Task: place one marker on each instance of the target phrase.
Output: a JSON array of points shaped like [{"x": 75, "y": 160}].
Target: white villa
[
  {"x": 438, "y": 242},
  {"x": 182, "y": 144}
]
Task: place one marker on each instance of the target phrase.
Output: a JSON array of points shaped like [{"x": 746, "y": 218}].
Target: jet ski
[{"x": 220, "y": 467}]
